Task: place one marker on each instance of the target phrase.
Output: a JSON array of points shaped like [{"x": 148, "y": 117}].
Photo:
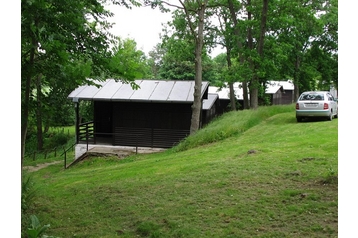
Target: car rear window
[{"x": 312, "y": 97}]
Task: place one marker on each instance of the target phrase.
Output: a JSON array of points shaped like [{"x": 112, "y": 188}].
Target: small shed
[
  {"x": 156, "y": 115},
  {"x": 287, "y": 94},
  {"x": 224, "y": 96},
  {"x": 210, "y": 108},
  {"x": 275, "y": 94}
]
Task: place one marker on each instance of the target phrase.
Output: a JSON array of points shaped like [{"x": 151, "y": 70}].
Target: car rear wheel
[
  {"x": 330, "y": 117},
  {"x": 336, "y": 116}
]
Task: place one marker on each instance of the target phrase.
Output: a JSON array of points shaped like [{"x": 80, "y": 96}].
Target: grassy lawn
[{"x": 247, "y": 174}]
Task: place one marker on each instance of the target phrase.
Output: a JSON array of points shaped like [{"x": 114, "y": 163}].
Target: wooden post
[
  {"x": 77, "y": 108},
  {"x": 87, "y": 136},
  {"x": 64, "y": 151}
]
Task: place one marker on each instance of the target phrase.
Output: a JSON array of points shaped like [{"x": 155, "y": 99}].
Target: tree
[
  {"x": 128, "y": 61},
  {"x": 194, "y": 12},
  {"x": 196, "y": 26},
  {"x": 178, "y": 59},
  {"x": 63, "y": 43},
  {"x": 254, "y": 83},
  {"x": 294, "y": 27},
  {"x": 155, "y": 60}
]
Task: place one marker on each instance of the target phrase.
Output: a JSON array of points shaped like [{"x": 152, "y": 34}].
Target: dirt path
[{"x": 40, "y": 166}]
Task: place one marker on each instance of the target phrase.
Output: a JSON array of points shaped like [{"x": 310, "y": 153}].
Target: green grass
[{"x": 208, "y": 186}]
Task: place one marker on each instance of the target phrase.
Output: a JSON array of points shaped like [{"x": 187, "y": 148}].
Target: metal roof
[
  {"x": 271, "y": 88},
  {"x": 224, "y": 93},
  {"x": 149, "y": 90},
  {"x": 287, "y": 85},
  {"x": 208, "y": 103}
]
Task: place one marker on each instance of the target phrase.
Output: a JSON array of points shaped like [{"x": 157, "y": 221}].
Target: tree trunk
[
  {"x": 296, "y": 79},
  {"x": 246, "y": 95},
  {"x": 25, "y": 107},
  {"x": 39, "y": 113},
  {"x": 239, "y": 46},
  {"x": 255, "y": 80},
  {"x": 199, "y": 42},
  {"x": 250, "y": 44},
  {"x": 231, "y": 84}
]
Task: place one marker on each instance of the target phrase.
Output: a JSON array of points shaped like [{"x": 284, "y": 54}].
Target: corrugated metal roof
[
  {"x": 287, "y": 85},
  {"x": 149, "y": 90},
  {"x": 272, "y": 87},
  {"x": 208, "y": 103},
  {"x": 224, "y": 93}
]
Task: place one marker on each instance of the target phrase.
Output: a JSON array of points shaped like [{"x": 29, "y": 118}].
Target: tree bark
[
  {"x": 250, "y": 44},
  {"x": 239, "y": 45},
  {"x": 39, "y": 113},
  {"x": 231, "y": 84},
  {"x": 199, "y": 42},
  {"x": 26, "y": 100},
  {"x": 296, "y": 79},
  {"x": 255, "y": 80}
]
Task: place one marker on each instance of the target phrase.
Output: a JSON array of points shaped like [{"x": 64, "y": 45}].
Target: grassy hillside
[{"x": 247, "y": 174}]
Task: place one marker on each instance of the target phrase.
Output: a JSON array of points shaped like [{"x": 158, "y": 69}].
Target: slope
[{"x": 267, "y": 177}]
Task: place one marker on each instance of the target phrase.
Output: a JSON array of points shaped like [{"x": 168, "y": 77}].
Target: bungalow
[
  {"x": 210, "y": 108},
  {"x": 157, "y": 115},
  {"x": 274, "y": 92},
  {"x": 279, "y": 92},
  {"x": 224, "y": 97},
  {"x": 287, "y": 91}
]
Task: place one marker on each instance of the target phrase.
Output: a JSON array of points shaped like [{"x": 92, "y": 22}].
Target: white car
[{"x": 316, "y": 104}]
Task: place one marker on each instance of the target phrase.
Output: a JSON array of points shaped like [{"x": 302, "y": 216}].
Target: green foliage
[
  {"x": 36, "y": 230},
  {"x": 63, "y": 43},
  {"x": 129, "y": 62},
  {"x": 27, "y": 193},
  {"x": 54, "y": 138},
  {"x": 86, "y": 111},
  {"x": 178, "y": 60}
]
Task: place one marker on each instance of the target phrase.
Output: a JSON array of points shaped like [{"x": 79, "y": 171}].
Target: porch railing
[{"x": 86, "y": 132}]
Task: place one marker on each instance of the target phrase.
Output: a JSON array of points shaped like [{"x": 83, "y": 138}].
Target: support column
[{"x": 77, "y": 123}]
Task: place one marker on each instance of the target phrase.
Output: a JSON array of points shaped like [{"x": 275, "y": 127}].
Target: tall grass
[{"x": 231, "y": 124}]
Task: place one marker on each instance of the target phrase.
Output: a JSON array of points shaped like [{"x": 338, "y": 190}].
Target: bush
[{"x": 55, "y": 138}]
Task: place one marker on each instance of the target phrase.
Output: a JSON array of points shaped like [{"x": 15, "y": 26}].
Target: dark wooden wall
[
  {"x": 276, "y": 98},
  {"x": 287, "y": 97},
  {"x": 143, "y": 124}
]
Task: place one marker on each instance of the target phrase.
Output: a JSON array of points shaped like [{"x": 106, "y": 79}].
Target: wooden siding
[
  {"x": 287, "y": 97},
  {"x": 157, "y": 125},
  {"x": 103, "y": 118},
  {"x": 276, "y": 98},
  {"x": 148, "y": 137}
]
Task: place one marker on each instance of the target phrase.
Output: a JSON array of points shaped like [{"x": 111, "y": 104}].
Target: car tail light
[
  {"x": 297, "y": 106},
  {"x": 325, "y": 106}
]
